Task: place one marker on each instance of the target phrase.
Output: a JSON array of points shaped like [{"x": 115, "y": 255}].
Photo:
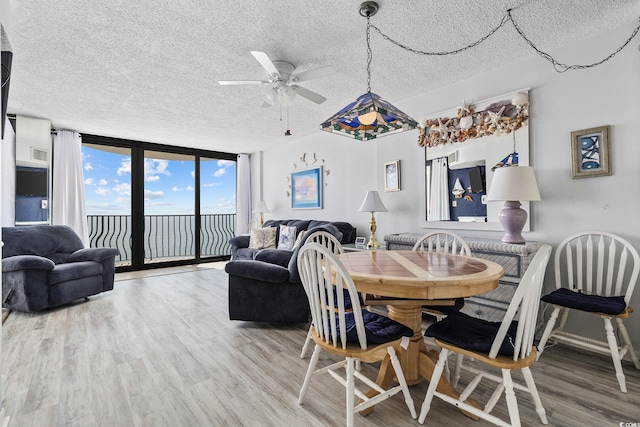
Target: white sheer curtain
[
  {"x": 67, "y": 201},
  {"x": 8, "y": 156},
  {"x": 243, "y": 195},
  {"x": 439, "y": 190}
]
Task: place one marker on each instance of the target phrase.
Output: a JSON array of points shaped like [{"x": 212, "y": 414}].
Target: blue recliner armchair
[{"x": 45, "y": 266}]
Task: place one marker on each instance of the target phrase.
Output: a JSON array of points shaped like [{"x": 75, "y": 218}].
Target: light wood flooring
[{"x": 159, "y": 350}]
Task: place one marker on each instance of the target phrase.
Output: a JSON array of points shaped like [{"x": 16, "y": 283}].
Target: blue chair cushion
[
  {"x": 447, "y": 310},
  {"x": 579, "y": 301},
  {"x": 472, "y": 333},
  {"x": 379, "y": 329}
]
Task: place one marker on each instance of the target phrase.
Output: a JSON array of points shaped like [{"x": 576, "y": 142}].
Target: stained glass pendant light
[{"x": 369, "y": 116}]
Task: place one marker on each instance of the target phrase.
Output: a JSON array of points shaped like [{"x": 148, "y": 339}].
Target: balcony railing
[{"x": 166, "y": 237}]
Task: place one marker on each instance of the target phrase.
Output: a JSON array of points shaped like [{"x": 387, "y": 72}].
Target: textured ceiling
[{"x": 148, "y": 70}]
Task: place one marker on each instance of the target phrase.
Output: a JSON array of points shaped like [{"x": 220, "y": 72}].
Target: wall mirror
[{"x": 457, "y": 175}]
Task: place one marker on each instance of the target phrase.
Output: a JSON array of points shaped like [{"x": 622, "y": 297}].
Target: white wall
[
  {"x": 560, "y": 103},
  {"x": 350, "y": 176}
]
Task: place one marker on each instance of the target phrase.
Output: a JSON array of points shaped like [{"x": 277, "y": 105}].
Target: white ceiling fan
[{"x": 282, "y": 82}]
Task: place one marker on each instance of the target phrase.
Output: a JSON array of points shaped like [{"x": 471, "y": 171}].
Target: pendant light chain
[
  {"x": 558, "y": 66},
  {"x": 369, "y": 54}
]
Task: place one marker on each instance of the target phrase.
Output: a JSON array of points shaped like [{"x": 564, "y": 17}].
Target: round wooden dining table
[{"x": 404, "y": 281}]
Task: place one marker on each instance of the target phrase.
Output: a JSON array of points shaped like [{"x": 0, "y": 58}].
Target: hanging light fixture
[{"x": 369, "y": 116}]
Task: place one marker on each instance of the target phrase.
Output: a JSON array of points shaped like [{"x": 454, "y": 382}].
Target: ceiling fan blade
[
  {"x": 310, "y": 95},
  {"x": 316, "y": 73},
  {"x": 266, "y": 63},
  {"x": 242, "y": 82}
]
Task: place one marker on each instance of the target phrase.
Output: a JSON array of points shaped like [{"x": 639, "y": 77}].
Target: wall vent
[
  {"x": 38, "y": 154},
  {"x": 452, "y": 157}
]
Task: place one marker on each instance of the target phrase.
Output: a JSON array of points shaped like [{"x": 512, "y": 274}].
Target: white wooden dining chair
[
  {"x": 595, "y": 274},
  {"x": 330, "y": 242},
  {"x": 452, "y": 243},
  {"x": 442, "y": 242},
  {"x": 506, "y": 345},
  {"x": 354, "y": 335}
]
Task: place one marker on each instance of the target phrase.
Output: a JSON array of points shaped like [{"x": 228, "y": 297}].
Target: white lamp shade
[
  {"x": 372, "y": 203},
  {"x": 514, "y": 183},
  {"x": 261, "y": 207}
]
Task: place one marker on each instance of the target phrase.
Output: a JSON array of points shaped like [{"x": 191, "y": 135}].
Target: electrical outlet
[
  {"x": 44, "y": 204},
  {"x": 454, "y": 203}
]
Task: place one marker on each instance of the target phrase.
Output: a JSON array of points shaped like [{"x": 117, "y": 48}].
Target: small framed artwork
[
  {"x": 306, "y": 189},
  {"x": 392, "y": 176},
  {"x": 590, "y": 152}
]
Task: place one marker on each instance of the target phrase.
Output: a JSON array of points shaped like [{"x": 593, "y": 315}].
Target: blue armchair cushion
[
  {"x": 93, "y": 254},
  {"x": 379, "y": 329},
  {"x": 279, "y": 257},
  {"x": 74, "y": 270},
  {"x": 26, "y": 262},
  {"x": 593, "y": 303},
  {"x": 472, "y": 333}
]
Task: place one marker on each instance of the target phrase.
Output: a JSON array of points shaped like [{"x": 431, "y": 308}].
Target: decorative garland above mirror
[{"x": 498, "y": 118}]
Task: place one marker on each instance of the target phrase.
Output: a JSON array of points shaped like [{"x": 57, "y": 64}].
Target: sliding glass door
[{"x": 159, "y": 205}]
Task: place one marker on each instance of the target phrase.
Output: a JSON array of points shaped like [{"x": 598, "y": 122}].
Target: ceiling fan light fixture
[
  {"x": 289, "y": 94},
  {"x": 270, "y": 96},
  {"x": 370, "y": 116}
]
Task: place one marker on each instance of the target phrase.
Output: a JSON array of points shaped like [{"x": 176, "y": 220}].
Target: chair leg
[
  {"x": 350, "y": 390},
  {"x": 403, "y": 383},
  {"x": 510, "y": 396},
  {"x": 547, "y": 331},
  {"x": 433, "y": 384},
  {"x": 627, "y": 341},
  {"x": 456, "y": 371},
  {"x": 615, "y": 353},
  {"x": 305, "y": 347},
  {"x": 531, "y": 385},
  {"x": 312, "y": 367}
]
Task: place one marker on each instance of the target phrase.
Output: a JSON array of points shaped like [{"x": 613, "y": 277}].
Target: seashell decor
[{"x": 498, "y": 118}]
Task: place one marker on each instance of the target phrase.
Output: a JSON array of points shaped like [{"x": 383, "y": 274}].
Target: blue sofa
[
  {"x": 264, "y": 285},
  {"x": 240, "y": 244},
  {"x": 45, "y": 266}
]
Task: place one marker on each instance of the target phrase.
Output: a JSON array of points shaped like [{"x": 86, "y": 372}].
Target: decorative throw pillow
[
  {"x": 263, "y": 238},
  {"x": 299, "y": 239},
  {"x": 287, "y": 237}
]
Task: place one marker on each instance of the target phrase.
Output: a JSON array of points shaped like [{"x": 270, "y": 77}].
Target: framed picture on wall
[
  {"x": 392, "y": 176},
  {"x": 306, "y": 189},
  {"x": 590, "y": 152}
]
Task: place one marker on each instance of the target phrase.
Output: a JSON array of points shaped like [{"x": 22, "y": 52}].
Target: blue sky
[{"x": 169, "y": 185}]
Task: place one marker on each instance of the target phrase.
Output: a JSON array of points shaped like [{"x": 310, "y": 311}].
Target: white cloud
[
  {"x": 153, "y": 168},
  {"x": 101, "y": 191},
  {"x": 125, "y": 166},
  {"x": 175, "y": 189},
  {"x": 212, "y": 184},
  {"x": 88, "y": 166},
  {"x": 189, "y": 188},
  {"x": 123, "y": 189},
  {"x": 193, "y": 174},
  {"x": 219, "y": 172},
  {"x": 225, "y": 163},
  {"x": 102, "y": 182},
  {"x": 150, "y": 195},
  {"x": 89, "y": 181}
]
